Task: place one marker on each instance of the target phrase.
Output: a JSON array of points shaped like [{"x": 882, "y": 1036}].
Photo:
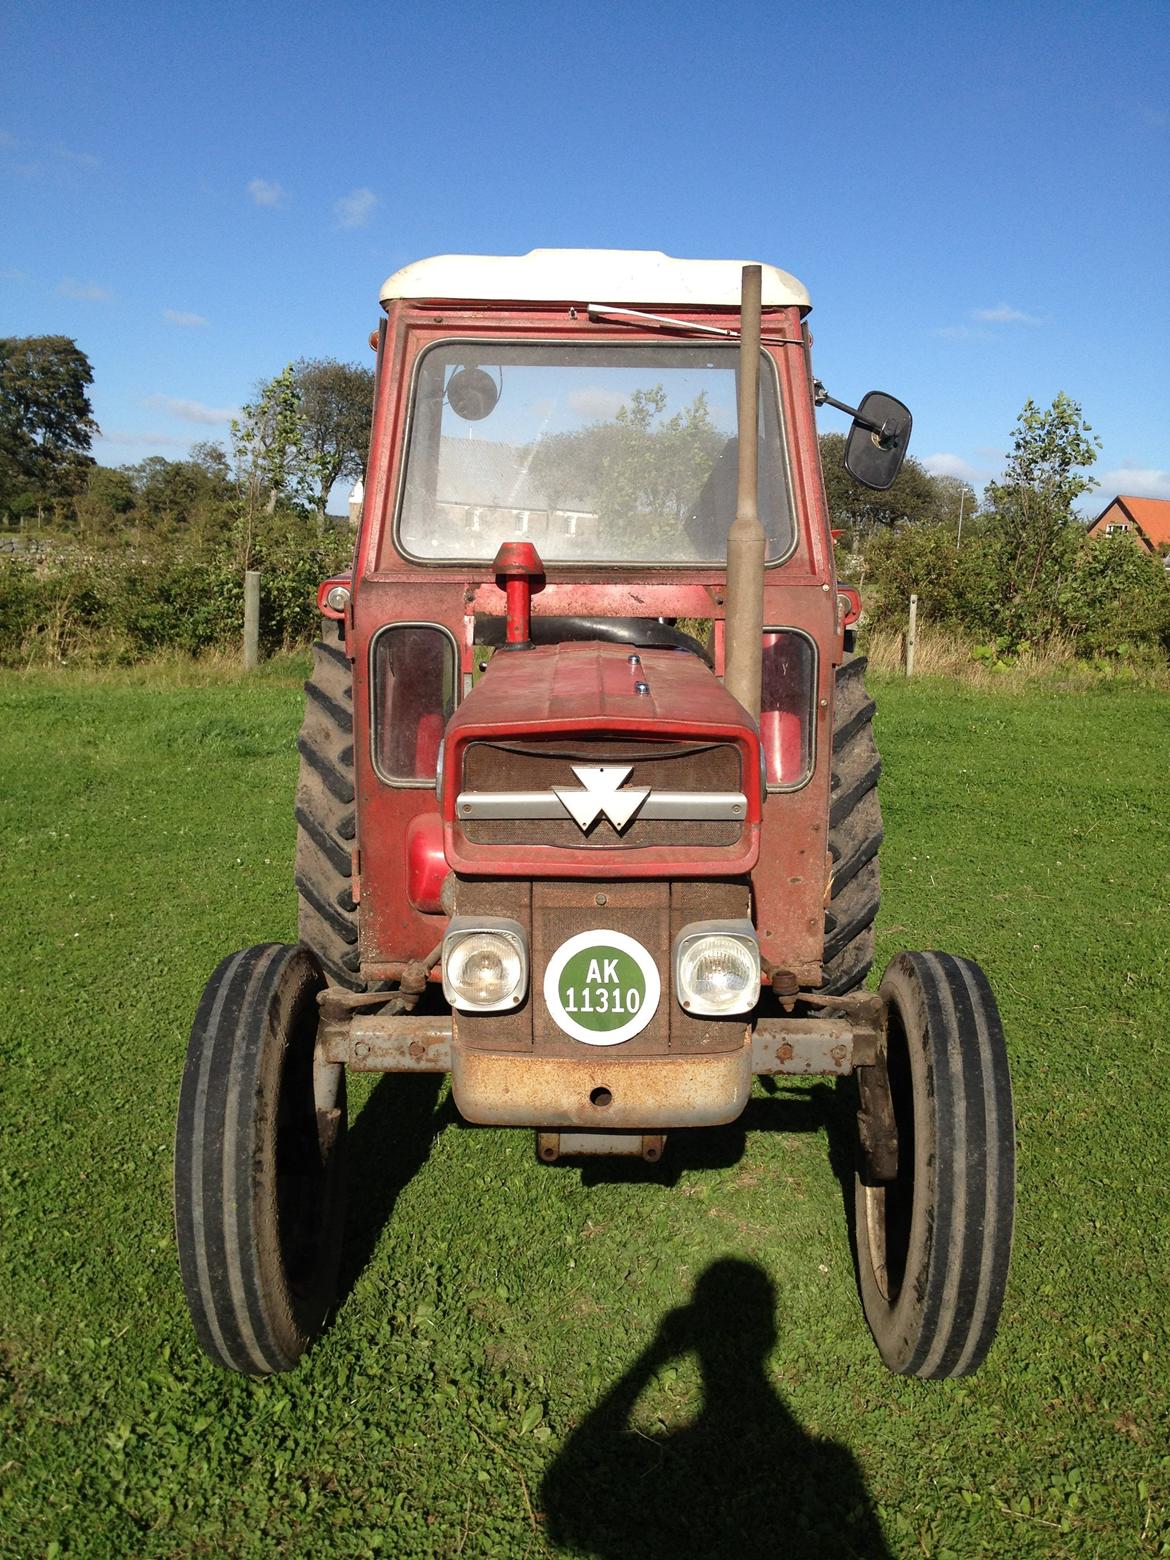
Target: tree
[
  {"x": 912, "y": 497},
  {"x": 102, "y": 510},
  {"x": 336, "y": 403},
  {"x": 643, "y": 473},
  {"x": 1032, "y": 502},
  {"x": 46, "y": 421},
  {"x": 211, "y": 459},
  {"x": 270, "y": 464}
]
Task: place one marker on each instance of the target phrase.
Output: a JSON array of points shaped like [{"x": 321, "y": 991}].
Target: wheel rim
[
  {"x": 304, "y": 1162},
  {"x": 889, "y": 1205}
]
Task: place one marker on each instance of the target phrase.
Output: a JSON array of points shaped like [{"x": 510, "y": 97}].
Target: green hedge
[
  {"x": 1104, "y": 596},
  {"x": 110, "y": 608}
]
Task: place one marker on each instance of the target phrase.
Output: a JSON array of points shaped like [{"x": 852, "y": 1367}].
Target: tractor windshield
[{"x": 608, "y": 453}]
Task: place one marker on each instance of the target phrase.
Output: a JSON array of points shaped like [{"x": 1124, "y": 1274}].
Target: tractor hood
[{"x": 579, "y": 760}]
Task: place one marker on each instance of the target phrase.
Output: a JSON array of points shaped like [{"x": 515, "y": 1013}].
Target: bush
[
  {"x": 111, "y": 607},
  {"x": 1117, "y": 600},
  {"x": 1103, "y": 595}
]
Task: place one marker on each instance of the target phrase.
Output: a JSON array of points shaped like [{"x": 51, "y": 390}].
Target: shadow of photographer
[{"x": 743, "y": 1480}]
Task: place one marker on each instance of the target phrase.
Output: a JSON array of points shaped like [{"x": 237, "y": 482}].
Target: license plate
[{"x": 602, "y": 987}]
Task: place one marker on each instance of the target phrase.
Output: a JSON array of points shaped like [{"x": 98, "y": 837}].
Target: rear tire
[
  {"x": 327, "y": 919},
  {"x": 855, "y": 833},
  {"x": 934, "y": 1243},
  {"x": 259, "y": 1155}
]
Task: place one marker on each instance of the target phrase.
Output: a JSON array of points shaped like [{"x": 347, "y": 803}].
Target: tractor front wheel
[
  {"x": 934, "y": 1240},
  {"x": 259, "y": 1149}
]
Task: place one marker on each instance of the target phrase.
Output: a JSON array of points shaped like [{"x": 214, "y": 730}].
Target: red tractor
[{"x": 587, "y": 814}]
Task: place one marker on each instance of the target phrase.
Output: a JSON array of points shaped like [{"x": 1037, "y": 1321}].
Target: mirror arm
[{"x": 821, "y": 397}]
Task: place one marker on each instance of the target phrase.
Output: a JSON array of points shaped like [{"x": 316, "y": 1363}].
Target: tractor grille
[{"x": 661, "y": 767}]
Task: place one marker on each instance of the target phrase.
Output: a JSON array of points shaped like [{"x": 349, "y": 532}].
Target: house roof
[
  {"x": 1150, "y": 515},
  {"x": 584, "y": 276}
]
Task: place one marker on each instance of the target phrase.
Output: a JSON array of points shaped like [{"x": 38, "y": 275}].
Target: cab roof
[{"x": 584, "y": 276}]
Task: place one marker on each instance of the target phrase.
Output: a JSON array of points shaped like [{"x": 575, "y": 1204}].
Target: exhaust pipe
[{"x": 746, "y": 544}]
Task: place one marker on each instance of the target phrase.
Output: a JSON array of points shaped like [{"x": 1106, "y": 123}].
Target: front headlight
[
  {"x": 485, "y": 964},
  {"x": 717, "y": 967}
]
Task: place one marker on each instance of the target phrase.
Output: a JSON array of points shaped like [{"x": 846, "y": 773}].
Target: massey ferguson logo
[{"x": 602, "y": 795}]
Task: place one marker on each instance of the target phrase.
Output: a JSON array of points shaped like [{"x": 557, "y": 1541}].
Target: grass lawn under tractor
[{"x": 662, "y": 1361}]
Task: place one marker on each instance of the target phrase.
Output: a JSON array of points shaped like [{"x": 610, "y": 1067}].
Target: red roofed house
[{"x": 1146, "y": 520}]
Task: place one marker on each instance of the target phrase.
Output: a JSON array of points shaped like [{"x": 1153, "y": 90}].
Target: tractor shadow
[
  {"x": 392, "y": 1135},
  {"x": 388, "y": 1144},
  {"x": 781, "y": 1107},
  {"x": 742, "y": 1480}
]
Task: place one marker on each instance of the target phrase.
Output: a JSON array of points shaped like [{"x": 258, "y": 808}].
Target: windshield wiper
[{"x": 690, "y": 326}]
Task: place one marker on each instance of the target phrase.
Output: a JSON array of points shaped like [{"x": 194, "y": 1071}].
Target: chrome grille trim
[{"x": 687, "y": 806}]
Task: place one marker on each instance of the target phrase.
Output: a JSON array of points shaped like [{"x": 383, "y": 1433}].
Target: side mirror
[{"x": 876, "y": 445}]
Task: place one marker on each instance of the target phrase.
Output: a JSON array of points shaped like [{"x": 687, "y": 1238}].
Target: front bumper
[
  {"x": 644, "y": 1093},
  {"x": 599, "y": 1090}
]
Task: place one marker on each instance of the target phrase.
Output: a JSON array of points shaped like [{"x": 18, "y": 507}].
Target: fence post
[
  {"x": 251, "y": 619},
  {"x": 912, "y": 636}
]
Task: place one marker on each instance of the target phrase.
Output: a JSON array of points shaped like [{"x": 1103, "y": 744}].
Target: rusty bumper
[
  {"x": 647, "y": 1093},
  {"x": 599, "y": 1091}
]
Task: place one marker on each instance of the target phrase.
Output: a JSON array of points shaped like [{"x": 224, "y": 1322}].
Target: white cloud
[
  {"x": 140, "y": 440},
  {"x": 83, "y": 292},
  {"x": 36, "y": 165},
  {"x": 597, "y": 404},
  {"x": 85, "y": 160},
  {"x": 193, "y": 411},
  {"x": 355, "y": 209},
  {"x": 1004, "y": 314},
  {"x": 1139, "y": 481},
  {"x": 265, "y": 193},
  {"x": 947, "y": 465},
  {"x": 960, "y": 333},
  {"x": 177, "y": 317}
]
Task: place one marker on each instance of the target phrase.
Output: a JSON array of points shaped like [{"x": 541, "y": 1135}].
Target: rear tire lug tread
[
  {"x": 855, "y": 834},
  {"x": 326, "y": 818}
]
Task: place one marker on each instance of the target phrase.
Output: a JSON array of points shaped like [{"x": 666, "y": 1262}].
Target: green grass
[{"x": 557, "y": 1361}]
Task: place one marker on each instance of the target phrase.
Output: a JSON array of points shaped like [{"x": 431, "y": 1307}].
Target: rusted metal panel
[
  {"x": 811, "y": 1046},
  {"x": 865, "y": 1011},
  {"x": 607, "y": 1093},
  {"x": 877, "y": 1129},
  {"x": 378, "y": 1042},
  {"x": 579, "y": 1145}
]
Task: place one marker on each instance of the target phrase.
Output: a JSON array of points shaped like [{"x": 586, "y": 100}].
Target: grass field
[{"x": 535, "y": 1361}]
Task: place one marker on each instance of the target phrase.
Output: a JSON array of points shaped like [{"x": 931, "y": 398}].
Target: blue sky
[{"x": 978, "y": 198}]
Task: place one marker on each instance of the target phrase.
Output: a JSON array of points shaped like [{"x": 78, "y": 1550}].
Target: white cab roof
[{"x": 581, "y": 276}]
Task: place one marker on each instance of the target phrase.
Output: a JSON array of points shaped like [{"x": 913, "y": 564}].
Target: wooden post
[
  {"x": 251, "y": 619},
  {"x": 912, "y": 636}
]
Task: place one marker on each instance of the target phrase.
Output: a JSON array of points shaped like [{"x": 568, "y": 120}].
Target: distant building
[
  {"x": 1145, "y": 520},
  {"x": 488, "y": 489}
]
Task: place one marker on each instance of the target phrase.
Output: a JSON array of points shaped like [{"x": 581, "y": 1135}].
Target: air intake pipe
[{"x": 745, "y": 538}]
